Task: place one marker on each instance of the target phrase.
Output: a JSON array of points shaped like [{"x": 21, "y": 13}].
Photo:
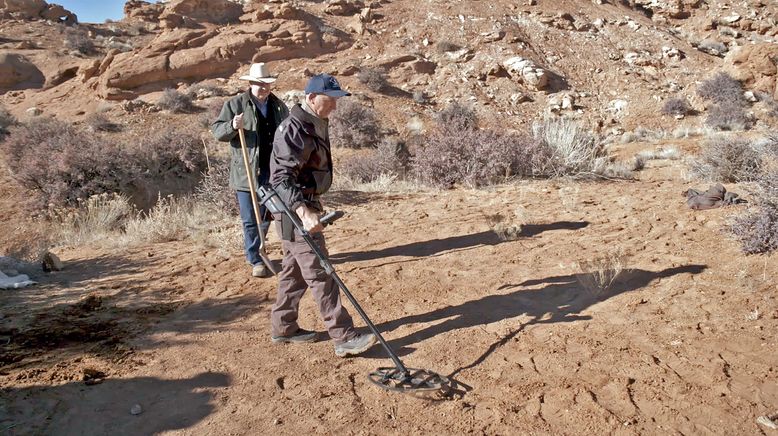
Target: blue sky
[{"x": 95, "y": 11}]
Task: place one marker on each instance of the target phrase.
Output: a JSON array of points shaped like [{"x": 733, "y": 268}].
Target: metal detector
[{"x": 397, "y": 378}]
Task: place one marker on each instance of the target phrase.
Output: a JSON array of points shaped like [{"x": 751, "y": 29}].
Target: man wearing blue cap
[{"x": 300, "y": 172}]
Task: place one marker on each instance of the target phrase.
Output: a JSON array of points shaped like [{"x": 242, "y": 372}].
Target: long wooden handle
[{"x": 254, "y": 202}]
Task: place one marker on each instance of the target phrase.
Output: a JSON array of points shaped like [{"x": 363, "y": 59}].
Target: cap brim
[
  {"x": 258, "y": 79},
  {"x": 340, "y": 93}
]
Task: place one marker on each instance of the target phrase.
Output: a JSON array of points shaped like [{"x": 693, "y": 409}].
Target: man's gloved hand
[
  {"x": 310, "y": 219},
  {"x": 237, "y": 122}
]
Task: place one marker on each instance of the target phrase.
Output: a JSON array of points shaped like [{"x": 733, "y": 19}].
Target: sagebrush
[
  {"x": 757, "y": 230},
  {"x": 374, "y": 78},
  {"x": 455, "y": 154},
  {"x": 175, "y": 101},
  {"x": 676, "y": 106},
  {"x": 728, "y": 160},
  {"x": 354, "y": 125},
  {"x": 69, "y": 163},
  {"x": 390, "y": 158},
  {"x": 457, "y": 116}
]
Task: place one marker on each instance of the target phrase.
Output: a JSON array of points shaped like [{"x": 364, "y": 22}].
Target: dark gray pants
[{"x": 300, "y": 269}]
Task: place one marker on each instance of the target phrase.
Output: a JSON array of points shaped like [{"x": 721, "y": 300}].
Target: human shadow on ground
[
  {"x": 453, "y": 243},
  {"x": 548, "y": 300},
  {"x": 77, "y": 409}
]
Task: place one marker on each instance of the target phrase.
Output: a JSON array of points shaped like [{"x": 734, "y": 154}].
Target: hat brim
[
  {"x": 258, "y": 79},
  {"x": 340, "y": 93}
]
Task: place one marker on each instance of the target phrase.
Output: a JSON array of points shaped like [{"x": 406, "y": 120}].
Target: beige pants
[{"x": 300, "y": 269}]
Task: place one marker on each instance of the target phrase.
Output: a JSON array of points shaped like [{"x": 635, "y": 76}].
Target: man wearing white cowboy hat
[{"x": 258, "y": 112}]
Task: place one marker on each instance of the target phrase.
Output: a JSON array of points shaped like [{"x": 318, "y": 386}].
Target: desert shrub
[
  {"x": 374, "y": 78},
  {"x": 728, "y": 160},
  {"x": 458, "y": 154},
  {"x": 757, "y": 231},
  {"x": 62, "y": 163},
  {"x": 211, "y": 113},
  {"x": 98, "y": 122},
  {"x": 728, "y": 117},
  {"x": 170, "y": 152},
  {"x": 214, "y": 188},
  {"x": 78, "y": 40},
  {"x": 567, "y": 149},
  {"x": 446, "y": 46},
  {"x": 354, "y": 125},
  {"x": 458, "y": 116},
  {"x": 676, "y": 106},
  {"x": 722, "y": 90},
  {"x": 390, "y": 158},
  {"x": 6, "y": 121},
  {"x": 175, "y": 101}
]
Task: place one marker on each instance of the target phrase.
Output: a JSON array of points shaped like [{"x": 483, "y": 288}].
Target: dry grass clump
[
  {"x": 175, "y": 102},
  {"x": 598, "y": 275},
  {"x": 94, "y": 219},
  {"x": 728, "y": 160},
  {"x": 669, "y": 153},
  {"x": 566, "y": 149},
  {"x": 374, "y": 78},
  {"x": 509, "y": 228},
  {"x": 108, "y": 220},
  {"x": 354, "y": 125}
]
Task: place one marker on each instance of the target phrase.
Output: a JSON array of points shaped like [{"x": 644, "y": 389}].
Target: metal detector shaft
[
  {"x": 270, "y": 199},
  {"x": 252, "y": 187}
]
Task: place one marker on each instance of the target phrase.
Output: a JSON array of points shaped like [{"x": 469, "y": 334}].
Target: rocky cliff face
[{"x": 610, "y": 62}]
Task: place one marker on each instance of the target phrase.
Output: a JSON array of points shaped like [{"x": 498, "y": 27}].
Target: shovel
[{"x": 254, "y": 203}]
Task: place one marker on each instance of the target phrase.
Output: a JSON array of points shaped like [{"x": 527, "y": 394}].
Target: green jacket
[{"x": 259, "y": 136}]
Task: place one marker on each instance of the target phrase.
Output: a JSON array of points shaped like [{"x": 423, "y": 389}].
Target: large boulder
[
  {"x": 525, "y": 71},
  {"x": 143, "y": 11},
  {"x": 24, "y": 9},
  {"x": 204, "y": 11},
  {"x": 197, "y": 54},
  {"x": 755, "y": 66},
  {"x": 17, "y": 71},
  {"x": 36, "y": 9}
]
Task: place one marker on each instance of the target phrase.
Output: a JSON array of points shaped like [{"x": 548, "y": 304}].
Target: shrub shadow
[
  {"x": 435, "y": 246},
  {"x": 547, "y": 300},
  {"x": 77, "y": 409}
]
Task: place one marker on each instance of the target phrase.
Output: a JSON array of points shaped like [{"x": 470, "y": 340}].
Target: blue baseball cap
[{"x": 325, "y": 84}]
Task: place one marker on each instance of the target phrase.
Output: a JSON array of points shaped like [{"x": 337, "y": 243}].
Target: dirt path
[{"x": 683, "y": 342}]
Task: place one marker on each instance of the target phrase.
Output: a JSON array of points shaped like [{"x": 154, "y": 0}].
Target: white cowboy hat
[{"x": 259, "y": 73}]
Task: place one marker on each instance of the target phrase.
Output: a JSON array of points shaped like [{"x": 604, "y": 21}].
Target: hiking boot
[
  {"x": 300, "y": 336},
  {"x": 356, "y": 345},
  {"x": 260, "y": 270}
]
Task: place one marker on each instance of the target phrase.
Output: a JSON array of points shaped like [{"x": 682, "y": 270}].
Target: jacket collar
[{"x": 311, "y": 124}]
